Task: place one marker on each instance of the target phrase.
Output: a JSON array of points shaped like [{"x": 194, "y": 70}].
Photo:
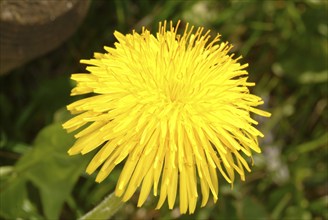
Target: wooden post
[{"x": 31, "y": 28}]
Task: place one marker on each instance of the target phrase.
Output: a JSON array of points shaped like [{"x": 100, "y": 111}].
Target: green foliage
[
  {"x": 285, "y": 44},
  {"x": 45, "y": 171}
]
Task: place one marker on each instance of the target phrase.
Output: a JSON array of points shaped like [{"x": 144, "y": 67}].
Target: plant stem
[{"x": 106, "y": 209}]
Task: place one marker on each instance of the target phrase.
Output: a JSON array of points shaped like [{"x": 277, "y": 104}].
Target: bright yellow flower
[{"x": 175, "y": 108}]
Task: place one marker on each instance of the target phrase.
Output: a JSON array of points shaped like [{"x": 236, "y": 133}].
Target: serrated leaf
[{"x": 49, "y": 168}]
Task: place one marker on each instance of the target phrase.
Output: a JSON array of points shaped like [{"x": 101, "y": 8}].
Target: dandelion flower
[{"x": 174, "y": 108}]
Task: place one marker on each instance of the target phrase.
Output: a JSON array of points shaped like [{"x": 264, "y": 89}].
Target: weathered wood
[{"x": 31, "y": 28}]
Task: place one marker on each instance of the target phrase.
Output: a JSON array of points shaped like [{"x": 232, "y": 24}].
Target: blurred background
[{"x": 285, "y": 44}]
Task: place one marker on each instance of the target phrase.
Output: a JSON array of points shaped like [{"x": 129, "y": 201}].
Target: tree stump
[{"x": 31, "y": 28}]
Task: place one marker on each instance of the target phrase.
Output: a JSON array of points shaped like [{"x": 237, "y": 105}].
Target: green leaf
[
  {"x": 14, "y": 195},
  {"x": 49, "y": 168}
]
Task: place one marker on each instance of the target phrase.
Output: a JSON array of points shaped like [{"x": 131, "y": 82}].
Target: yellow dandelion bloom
[{"x": 175, "y": 108}]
